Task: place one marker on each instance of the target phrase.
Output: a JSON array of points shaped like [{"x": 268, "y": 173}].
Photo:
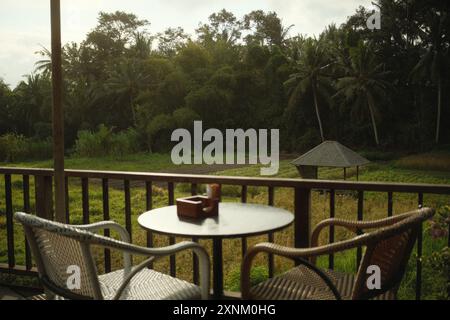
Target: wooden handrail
[{"x": 241, "y": 181}]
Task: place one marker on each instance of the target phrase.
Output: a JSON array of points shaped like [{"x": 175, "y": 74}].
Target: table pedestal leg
[{"x": 217, "y": 269}]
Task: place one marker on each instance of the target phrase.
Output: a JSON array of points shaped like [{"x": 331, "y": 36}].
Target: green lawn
[
  {"x": 136, "y": 162},
  {"x": 375, "y": 206}
]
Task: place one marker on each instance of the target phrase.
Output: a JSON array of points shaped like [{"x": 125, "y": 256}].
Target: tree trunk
[
  {"x": 438, "y": 120},
  {"x": 374, "y": 124},
  {"x": 316, "y": 104},
  {"x": 133, "y": 113}
]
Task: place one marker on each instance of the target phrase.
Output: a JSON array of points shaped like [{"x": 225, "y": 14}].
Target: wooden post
[
  {"x": 360, "y": 216},
  {"x": 106, "y": 217},
  {"x": 302, "y": 225},
  {"x": 419, "y": 254},
  {"x": 44, "y": 196},
  {"x": 345, "y": 173},
  {"x": 9, "y": 221},
  {"x": 58, "y": 115}
]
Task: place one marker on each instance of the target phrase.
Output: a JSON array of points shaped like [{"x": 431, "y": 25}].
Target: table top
[{"x": 234, "y": 220}]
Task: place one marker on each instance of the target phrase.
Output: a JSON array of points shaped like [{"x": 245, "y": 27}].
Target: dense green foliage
[
  {"x": 15, "y": 147},
  {"x": 105, "y": 142},
  {"x": 384, "y": 88}
]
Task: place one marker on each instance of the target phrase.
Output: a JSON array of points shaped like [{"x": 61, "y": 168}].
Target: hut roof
[{"x": 331, "y": 154}]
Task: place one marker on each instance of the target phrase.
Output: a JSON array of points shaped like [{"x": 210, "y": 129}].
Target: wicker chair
[
  {"x": 389, "y": 247},
  {"x": 59, "y": 247}
]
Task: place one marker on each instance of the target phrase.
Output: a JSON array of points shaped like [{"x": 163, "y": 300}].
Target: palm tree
[
  {"x": 142, "y": 46},
  {"x": 45, "y": 64},
  {"x": 126, "y": 80},
  {"x": 433, "y": 62},
  {"x": 363, "y": 85},
  {"x": 310, "y": 77},
  {"x": 33, "y": 105}
]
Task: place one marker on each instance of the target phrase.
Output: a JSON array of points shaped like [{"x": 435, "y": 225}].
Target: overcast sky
[{"x": 25, "y": 24}]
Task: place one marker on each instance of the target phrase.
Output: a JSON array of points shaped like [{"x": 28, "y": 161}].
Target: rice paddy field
[{"x": 428, "y": 168}]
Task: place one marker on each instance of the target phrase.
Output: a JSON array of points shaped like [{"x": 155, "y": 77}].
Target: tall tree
[
  {"x": 111, "y": 39},
  {"x": 434, "y": 63},
  {"x": 142, "y": 46},
  {"x": 364, "y": 84},
  {"x": 5, "y": 108},
  {"x": 222, "y": 26},
  {"x": 267, "y": 28},
  {"x": 311, "y": 77},
  {"x": 125, "y": 81},
  {"x": 45, "y": 64},
  {"x": 171, "y": 40}
]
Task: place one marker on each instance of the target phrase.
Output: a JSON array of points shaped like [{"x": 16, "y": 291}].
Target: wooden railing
[{"x": 302, "y": 205}]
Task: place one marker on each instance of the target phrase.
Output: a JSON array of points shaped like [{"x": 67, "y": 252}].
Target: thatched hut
[{"x": 328, "y": 154}]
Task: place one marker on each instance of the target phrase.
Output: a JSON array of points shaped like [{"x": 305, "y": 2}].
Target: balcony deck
[
  {"x": 302, "y": 190},
  {"x": 9, "y": 294}
]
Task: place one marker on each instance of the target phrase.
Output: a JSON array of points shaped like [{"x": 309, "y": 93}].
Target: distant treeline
[{"x": 384, "y": 89}]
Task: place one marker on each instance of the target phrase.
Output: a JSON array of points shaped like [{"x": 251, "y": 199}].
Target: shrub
[
  {"x": 93, "y": 144},
  {"x": 104, "y": 142},
  {"x": 38, "y": 149},
  {"x": 14, "y": 147},
  {"x": 439, "y": 260},
  {"x": 10, "y": 146},
  {"x": 125, "y": 143},
  {"x": 159, "y": 131}
]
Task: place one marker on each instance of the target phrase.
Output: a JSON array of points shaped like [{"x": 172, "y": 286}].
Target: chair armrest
[
  {"x": 94, "y": 227},
  {"x": 354, "y": 225},
  {"x": 111, "y": 225},
  {"x": 157, "y": 253},
  {"x": 293, "y": 254},
  {"x": 102, "y": 225}
]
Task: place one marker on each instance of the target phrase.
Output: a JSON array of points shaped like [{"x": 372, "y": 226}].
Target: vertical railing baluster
[
  {"x": 26, "y": 209},
  {"x": 172, "y": 240},
  {"x": 66, "y": 194},
  {"x": 195, "y": 266},
  {"x": 271, "y": 201},
  {"x": 244, "y": 239},
  {"x": 171, "y": 193},
  {"x": 448, "y": 274},
  {"x": 419, "y": 255},
  {"x": 85, "y": 199},
  {"x": 194, "y": 189},
  {"x": 106, "y": 217},
  {"x": 43, "y": 195},
  {"x": 360, "y": 218},
  {"x": 331, "y": 235},
  {"x": 126, "y": 190},
  {"x": 390, "y": 204},
  {"x": 244, "y": 194},
  {"x": 9, "y": 222},
  {"x": 148, "y": 207},
  {"x": 302, "y": 223}
]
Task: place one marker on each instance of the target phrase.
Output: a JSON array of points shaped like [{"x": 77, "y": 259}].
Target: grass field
[{"x": 426, "y": 169}]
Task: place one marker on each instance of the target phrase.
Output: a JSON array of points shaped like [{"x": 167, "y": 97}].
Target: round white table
[{"x": 235, "y": 220}]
